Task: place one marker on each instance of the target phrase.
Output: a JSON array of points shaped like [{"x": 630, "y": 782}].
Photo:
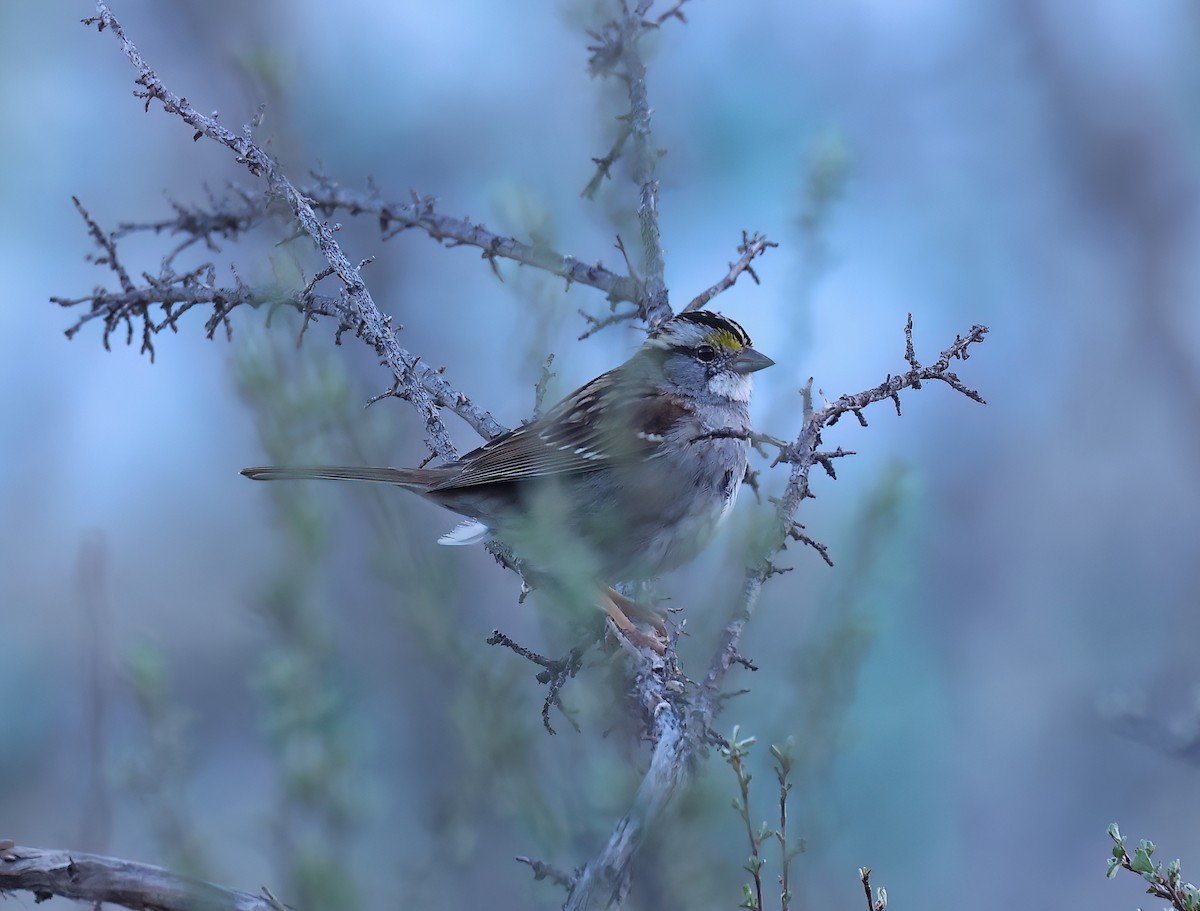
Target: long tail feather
[{"x": 405, "y": 477}]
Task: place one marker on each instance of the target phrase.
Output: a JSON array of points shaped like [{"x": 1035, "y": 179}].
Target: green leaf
[{"x": 1141, "y": 862}]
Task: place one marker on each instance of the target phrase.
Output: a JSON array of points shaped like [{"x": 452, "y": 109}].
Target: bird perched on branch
[{"x": 625, "y": 478}]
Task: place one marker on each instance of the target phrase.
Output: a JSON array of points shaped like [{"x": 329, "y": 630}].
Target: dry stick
[{"x": 108, "y": 880}]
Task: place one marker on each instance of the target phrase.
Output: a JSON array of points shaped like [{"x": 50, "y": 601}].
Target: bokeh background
[{"x": 291, "y": 687}]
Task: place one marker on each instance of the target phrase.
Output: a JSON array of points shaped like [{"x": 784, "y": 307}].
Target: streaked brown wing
[{"x": 576, "y": 436}]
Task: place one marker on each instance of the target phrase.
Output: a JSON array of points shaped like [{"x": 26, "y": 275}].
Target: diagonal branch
[{"x": 752, "y": 246}]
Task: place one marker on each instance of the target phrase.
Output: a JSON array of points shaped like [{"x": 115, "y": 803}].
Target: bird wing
[{"x": 596, "y": 425}]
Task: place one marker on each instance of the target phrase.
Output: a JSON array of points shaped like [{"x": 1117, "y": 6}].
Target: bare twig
[
  {"x": 674, "y": 12},
  {"x": 557, "y": 672},
  {"x": 108, "y": 880},
  {"x": 752, "y": 245},
  {"x": 417, "y": 382},
  {"x": 241, "y": 210},
  {"x": 616, "y": 51},
  {"x": 604, "y": 164},
  {"x": 595, "y": 323}
]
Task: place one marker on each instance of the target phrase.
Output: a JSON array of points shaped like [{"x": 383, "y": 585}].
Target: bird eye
[{"x": 706, "y": 353}]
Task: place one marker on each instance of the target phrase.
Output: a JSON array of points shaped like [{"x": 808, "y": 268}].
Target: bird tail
[{"x": 412, "y": 478}]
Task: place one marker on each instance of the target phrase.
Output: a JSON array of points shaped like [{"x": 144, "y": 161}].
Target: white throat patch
[{"x": 735, "y": 386}]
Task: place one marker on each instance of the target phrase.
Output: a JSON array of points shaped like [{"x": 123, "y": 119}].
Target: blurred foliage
[
  {"x": 309, "y": 722},
  {"x": 158, "y": 771}
]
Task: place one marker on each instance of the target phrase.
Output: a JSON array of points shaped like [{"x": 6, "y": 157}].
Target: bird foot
[{"x": 619, "y": 608}]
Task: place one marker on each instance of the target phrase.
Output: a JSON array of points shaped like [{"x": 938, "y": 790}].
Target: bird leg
[{"x": 619, "y": 608}]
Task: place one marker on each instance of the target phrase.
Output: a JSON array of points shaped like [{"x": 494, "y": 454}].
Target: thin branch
[
  {"x": 555, "y": 675},
  {"x": 596, "y": 323},
  {"x": 752, "y": 246},
  {"x": 453, "y": 232},
  {"x": 243, "y": 210},
  {"x": 1166, "y": 884},
  {"x": 604, "y": 163},
  {"x": 616, "y": 52},
  {"x": 108, "y": 880},
  {"x": 417, "y": 382}
]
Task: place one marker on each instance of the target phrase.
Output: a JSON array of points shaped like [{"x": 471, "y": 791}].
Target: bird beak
[{"x": 749, "y": 360}]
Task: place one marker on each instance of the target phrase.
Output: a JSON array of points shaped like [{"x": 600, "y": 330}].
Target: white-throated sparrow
[{"x": 626, "y": 477}]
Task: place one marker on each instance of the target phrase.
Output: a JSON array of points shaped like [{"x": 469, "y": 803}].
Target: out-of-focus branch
[
  {"x": 681, "y": 721},
  {"x": 109, "y": 880}
]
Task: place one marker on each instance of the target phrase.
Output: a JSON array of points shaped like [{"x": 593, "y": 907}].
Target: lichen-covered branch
[{"x": 108, "y": 880}]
